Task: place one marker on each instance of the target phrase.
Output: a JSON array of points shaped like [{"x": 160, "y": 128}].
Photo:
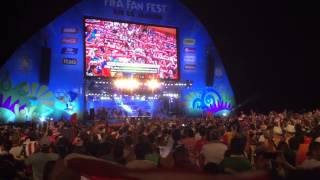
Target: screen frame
[{"x": 129, "y": 22}]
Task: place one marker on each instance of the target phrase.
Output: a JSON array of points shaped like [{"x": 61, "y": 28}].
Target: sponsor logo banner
[
  {"x": 189, "y": 59},
  {"x": 190, "y": 50},
  {"x": 69, "y": 50},
  {"x": 69, "y": 30},
  {"x": 189, "y": 67},
  {"x": 70, "y": 40},
  {"x": 69, "y": 61},
  {"x": 189, "y": 41}
]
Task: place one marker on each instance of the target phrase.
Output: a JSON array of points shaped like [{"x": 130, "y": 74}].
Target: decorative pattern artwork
[
  {"x": 25, "y": 102},
  {"x": 208, "y": 100},
  {"x": 66, "y": 100}
]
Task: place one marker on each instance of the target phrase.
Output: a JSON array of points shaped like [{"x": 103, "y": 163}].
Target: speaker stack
[
  {"x": 210, "y": 69},
  {"x": 45, "y": 63}
]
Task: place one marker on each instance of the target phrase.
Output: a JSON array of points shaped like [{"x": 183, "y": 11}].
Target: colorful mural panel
[
  {"x": 26, "y": 102},
  {"x": 207, "y": 100}
]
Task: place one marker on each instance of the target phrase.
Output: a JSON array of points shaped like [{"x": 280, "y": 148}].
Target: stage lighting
[
  {"x": 171, "y": 100},
  {"x": 153, "y": 84},
  {"x": 119, "y": 83},
  {"x": 129, "y": 84},
  {"x": 133, "y": 84},
  {"x": 42, "y": 119},
  {"x": 224, "y": 113}
]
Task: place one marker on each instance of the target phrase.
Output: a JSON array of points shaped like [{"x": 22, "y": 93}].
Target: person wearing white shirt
[{"x": 214, "y": 151}]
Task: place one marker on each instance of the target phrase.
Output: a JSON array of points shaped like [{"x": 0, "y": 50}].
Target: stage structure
[{"x": 116, "y": 57}]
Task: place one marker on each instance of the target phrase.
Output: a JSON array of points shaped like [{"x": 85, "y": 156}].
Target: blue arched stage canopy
[{"x": 71, "y": 65}]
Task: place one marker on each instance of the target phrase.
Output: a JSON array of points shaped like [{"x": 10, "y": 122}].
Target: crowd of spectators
[
  {"x": 283, "y": 144},
  {"x": 116, "y": 114}
]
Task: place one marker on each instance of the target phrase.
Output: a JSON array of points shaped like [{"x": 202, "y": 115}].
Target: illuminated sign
[
  {"x": 69, "y": 61},
  {"x": 190, "y": 67},
  {"x": 69, "y": 50},
  {"x": 69, "y": 30},
  {"x": 69, "y": 40},
  {"x": 190, "y": 50},
  {"x": 132, "y": 5},
  {"x": 189, "y": 41},
  {"x": 189, "y": 58}
]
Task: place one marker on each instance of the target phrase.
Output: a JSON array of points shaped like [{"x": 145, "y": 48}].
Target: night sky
[{"x": 270, "y": 49}]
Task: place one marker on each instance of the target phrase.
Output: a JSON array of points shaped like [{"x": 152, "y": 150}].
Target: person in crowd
[
  {"x": 199, "y": 144},
  {"x": 57, "y": 169},
  {"x": 153, "y": 151},
  {"x": 189, "y": 142},
  {"x": 289, "y": 155},
  {"x": 38, "y": 160},
  {"x": 7, "y": 163},
  {"x": 290, "y": 132},
  {"x": 213, "y": 152},
  {"x": 313, "y": 160},
  {"x": 140, "y": 163},
  {"x": 129, "y": 148},
  {"x": 182, "y": 160},
  {"x": 302, "y": 151},
  {"x": 260, "y": 161},
  {"x": 277, "y": 136},
  {"x": 235, "y": 159},
  {"x": 118, "y": 152}
]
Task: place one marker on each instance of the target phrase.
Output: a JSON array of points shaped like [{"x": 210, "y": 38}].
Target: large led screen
[{"x": 122, "y": 49}]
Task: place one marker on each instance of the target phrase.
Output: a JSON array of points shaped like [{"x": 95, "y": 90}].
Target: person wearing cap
[
  {"x": 277, "y": 135},
  {"x": 290, "y": 132},
  {"x": 265, "y": 141},
  {"x": 40, "y": 159}
]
